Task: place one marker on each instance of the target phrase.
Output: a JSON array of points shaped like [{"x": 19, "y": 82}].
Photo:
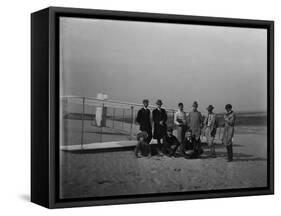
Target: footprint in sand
[
  {"x": 104, "y": 182},
  {"x": 157, "y": 181},
  {"x": 177, "y": 169}
]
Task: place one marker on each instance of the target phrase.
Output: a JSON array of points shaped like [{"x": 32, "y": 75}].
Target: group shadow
[{"x": 237, "y": 156}]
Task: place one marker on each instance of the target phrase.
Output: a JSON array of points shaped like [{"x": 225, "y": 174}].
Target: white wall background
[{"x": 15, "y": 106}]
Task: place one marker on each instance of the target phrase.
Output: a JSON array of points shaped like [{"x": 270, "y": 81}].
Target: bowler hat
[
  {"x": 159, "y": 102},
  {"x": 195, "y": 104},
  {"x": 210, "y": 107},
  {"x": 228, "y": 106}
]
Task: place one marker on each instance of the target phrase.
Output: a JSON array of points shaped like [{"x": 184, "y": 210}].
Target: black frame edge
[
  {"x": 270, "y": 93},
  {"x": 39, "y": 107}
]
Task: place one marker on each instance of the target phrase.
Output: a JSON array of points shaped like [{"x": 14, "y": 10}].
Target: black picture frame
[{"x": 45, "y": 105}]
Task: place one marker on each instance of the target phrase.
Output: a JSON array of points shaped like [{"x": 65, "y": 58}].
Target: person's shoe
[
  {"x": 213, "y": 155},
  {"x": 160, "y": 153}
]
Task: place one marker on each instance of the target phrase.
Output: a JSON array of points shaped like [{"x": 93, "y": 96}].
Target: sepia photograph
[{"x": 155, "y": 107}]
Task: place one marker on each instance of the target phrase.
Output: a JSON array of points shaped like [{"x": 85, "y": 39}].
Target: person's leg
[
  {"x": 174, "y": 148},
  {"x": 199, "y": 146},
  {"x": 184, "y": 129},
  {"x": 149, "y": 138},
  {"x": 159, "y": 146},
  {"x": 179, "y": 134},
  {"x": 212, "y": 146},
  {"x": 164, "y": 148},
  {"x": 209, "y": 140},
  {"x": 149, "y": 150},
  {"x": 229, "y": 152},
  {"x": 182, "y": 147}
]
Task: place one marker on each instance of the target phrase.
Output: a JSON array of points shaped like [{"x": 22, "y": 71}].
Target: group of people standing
[{"x": 189, "y": 126}]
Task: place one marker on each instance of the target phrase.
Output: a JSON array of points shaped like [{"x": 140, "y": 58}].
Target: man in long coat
[
  {"x": 144, "y": 121},
  {"x": 195, "y": 123},
  {"x": 229, "y": 122},
  {"x": 159, "y": 117}
]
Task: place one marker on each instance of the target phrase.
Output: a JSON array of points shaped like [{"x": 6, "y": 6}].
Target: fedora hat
[
  {"x": 210, "y": 107},
  {"x": 195, "y": 104},
  {"x": 159, "y": 102}
]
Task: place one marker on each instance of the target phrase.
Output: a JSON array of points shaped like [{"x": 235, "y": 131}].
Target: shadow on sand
[
  {"x": 25, "y": 197},
  {"x": 236, "y": 156}
]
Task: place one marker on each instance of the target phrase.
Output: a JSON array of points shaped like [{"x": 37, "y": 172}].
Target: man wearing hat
[
  {"x": 195, "y": 122},
  {"x": 180, "y": 122},
  {"x": 144, "y": 121},
  {"x": 210, "y": 125},
  {"x": 229, "y": 122},
  {"x": 159, "y": 117},
  {"x": 170, "y": 143}
]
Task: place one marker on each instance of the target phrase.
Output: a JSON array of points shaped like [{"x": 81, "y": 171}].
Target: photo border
[{"x": 54, "y": 184}]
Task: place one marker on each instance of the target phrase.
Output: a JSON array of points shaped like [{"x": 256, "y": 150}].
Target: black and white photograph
[{"x": 151, "y": 108}]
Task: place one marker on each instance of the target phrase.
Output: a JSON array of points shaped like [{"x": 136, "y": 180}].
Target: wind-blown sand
[{"x": 94, "y": 174}]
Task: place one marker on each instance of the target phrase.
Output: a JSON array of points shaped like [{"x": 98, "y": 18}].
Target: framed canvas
[{"x": 139, "y": 107}]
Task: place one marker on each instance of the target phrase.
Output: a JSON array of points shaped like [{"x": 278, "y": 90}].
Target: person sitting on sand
[
  {"x": 142, "y": 148},
  {"x": 170, "y": 143},
  {"x": 190, "y": 148}
]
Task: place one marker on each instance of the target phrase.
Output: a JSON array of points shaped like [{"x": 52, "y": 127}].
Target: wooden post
[
  {"x": 132, "y": 122},
  {"x": 113, "y": 117},
  {"x": 123, "y": 119},
  {"x": 173, "y": 118},
  {"x": 101, "y": 128},
  {"x": 82, "y": 129}
]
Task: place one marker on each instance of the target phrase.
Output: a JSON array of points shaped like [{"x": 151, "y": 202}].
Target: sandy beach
[{"x": 94, "y": 174}]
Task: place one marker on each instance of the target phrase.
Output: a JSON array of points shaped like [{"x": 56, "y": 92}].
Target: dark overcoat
[
  {"x": 159, "y": 115},
  {"x": 143, "y": 119}
]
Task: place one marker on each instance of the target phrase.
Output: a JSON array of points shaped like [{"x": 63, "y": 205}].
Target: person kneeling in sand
[
  {"x": 142, "y": 148},
  {"x": 170, "y": 143},
  {"x": 190, "y": 148}
]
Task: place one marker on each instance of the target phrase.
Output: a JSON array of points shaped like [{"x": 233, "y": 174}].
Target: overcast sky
[{"x": 130, "y": 61}]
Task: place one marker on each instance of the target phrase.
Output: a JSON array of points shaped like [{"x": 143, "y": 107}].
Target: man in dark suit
[
  {"x": 143, "y": 119},
  {"x": 159, "y": 117}
]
